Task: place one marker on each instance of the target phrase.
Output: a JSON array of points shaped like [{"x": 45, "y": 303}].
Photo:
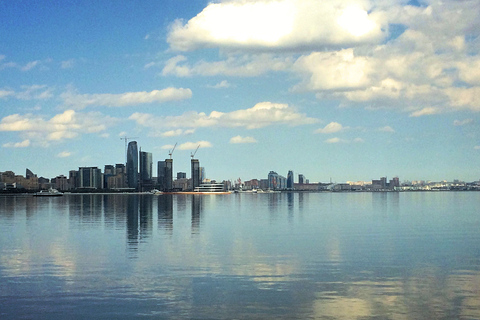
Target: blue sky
[{"x": 348, "y": 90}]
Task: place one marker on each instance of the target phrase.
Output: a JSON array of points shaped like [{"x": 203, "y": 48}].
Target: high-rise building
[
  {"x": 203, "y": 174},
  {"x": 73, "y": 179},
  {"x": 161, "y": 165},
  {"x": 290, "y": 181},
  {"x": 195, "y": 166},
  {"x": 169, "y": 174},
  {"x": 276, "y": 181},
  {"x": 181, "y": 175},
  {"x": 145, "y": 167},
  {"x": 132, "y": 165},
  {"x": 301, "y": 179},
  {"x": 90, "y": 178},
  {"x": 165, "y": 175}
]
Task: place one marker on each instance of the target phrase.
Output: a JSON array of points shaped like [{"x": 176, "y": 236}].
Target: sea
[{"x": 380, "y": 255}]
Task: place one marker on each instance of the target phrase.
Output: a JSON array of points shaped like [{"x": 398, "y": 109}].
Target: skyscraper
[
  {"x": 169, "y": 174},
  {"x": 161, "y": 165},
  {"x": 195, "y": 166},
  {"x": 145, "y": 167},
  {"x": 132, "y": 165},
  {"x": 301, "y": 179},
  {"x": 90, "y": 178},
  {"x": 290, "y": 180},
  {"x": 165, "y": 175}
]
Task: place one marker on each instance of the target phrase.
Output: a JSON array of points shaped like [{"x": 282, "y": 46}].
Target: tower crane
[
  {"x": 170, "y": 152},
  {"x": 193, "y": 154},
  {"x": 126, "y": 142}
]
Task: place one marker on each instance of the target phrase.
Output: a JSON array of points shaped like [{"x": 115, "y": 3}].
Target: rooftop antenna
[
  {"x": 193, "y": 154},
  {"x": 170, "y": 152},
  {"x": 126, "y": 141}
]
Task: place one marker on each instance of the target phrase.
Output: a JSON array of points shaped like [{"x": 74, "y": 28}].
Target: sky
[{"x": 340, "y": 90}]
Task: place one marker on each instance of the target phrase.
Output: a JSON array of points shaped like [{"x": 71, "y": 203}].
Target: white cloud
[
  {"x": 463, "y": 122},
  {"x": 261, "y": 115},
  {"x": 194, "y": 145},
  {"x": 332, "y": 127},
  {"x": 177, "y": 132},
  {"x": 240, "y": 139},
  {"x": 31, "y": 92},
  {"x": 66, "y": 125},
  {"x": 30, "y": 65},
  {"x": 23, "y": 144},
  {"x": 386, "y": 129},
  {"x": 80, "y": 101},
  {"x": 233, "y": 65},
  {"x": 340, "y": 70},
  {"x": 267, "y": 24},
  {"x": 68, "y": 64},
  {"x": 336, "y": 140},
  {"x": 6, "y": 93},
  {"x": 64, "y": 154},
  {"x": 221, "y": 85},
  {"x": 167, "y": 147},
  {"x": 424, "y": 112}
]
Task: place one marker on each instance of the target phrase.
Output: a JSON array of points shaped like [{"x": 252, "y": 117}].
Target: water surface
[{"x": 241, "y": 256}]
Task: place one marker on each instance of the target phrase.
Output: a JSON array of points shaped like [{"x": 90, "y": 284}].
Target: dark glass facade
[
  {"x": 195, "y": 166},
  {"x": 132, "y": 165}
]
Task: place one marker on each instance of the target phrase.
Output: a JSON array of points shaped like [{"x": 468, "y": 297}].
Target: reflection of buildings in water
[
  {"x": 139, "y": 219},
  {"x": 115, "y": 209},
  {"x": 181, "y": 200},
  {"x": 8, "y": 206},
  {"x": 197, "y": 207},
  {"x": 146, "y": 215},
  {"x": 301, "y": 198},
  {"x": 386, "y": 203},
  {"x": 86, "y": 208},
  {"x": 31, "y": 207},
  {"x": 132, "y": 222},
  {"x": 290, "y": 205},
  {"x": 165, "y": 211}
]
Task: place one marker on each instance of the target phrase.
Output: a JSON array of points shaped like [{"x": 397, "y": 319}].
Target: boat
[
  {"x": 156, "y": 192},
  {"x": 48, "y": 193}
]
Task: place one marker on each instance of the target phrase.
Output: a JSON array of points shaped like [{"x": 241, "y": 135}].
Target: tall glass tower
[
  {"x": 146, "y": 165},
  {"x": 195, "y": 166},
  {"x": 290, "y": 181},
  {"x": 132, "y": 165}
]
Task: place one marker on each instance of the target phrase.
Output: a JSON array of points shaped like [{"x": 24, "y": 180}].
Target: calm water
[{"x": 241, "y": 256}]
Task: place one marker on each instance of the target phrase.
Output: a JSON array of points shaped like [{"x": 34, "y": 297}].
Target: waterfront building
[
  {"x": 210, "y": 187},
  {"x": 195, "y": 171},
  {"x": 161, "y": 175},
  {"x": 301, "y": 179},
  {"x": 165, "y": 175},
  {"x": 90, "y": 178},
  {"x": 181, "y": 184},
  {"x": 169, "y": 174},
  {"x": 61, "y": 183},
  {"x": 132, "y": 165},
  {"x": 181, "y": 175},
  {"x": 13, "y": 181},
  {"x": 146, "y": 165},
  {"x": 290, "y": 181},
  {"x": 203, "y": 175},
  {"x": 276, "y": 181}
]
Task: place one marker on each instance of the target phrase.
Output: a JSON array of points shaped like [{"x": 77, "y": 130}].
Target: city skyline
[{"x": 342, "y": 90}]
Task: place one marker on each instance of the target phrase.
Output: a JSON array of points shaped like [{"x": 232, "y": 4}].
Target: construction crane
[
  {"x": 170, "y": 152},
  {"x": 126, "y": 142},
  {"x": 193, "y": 154}
]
